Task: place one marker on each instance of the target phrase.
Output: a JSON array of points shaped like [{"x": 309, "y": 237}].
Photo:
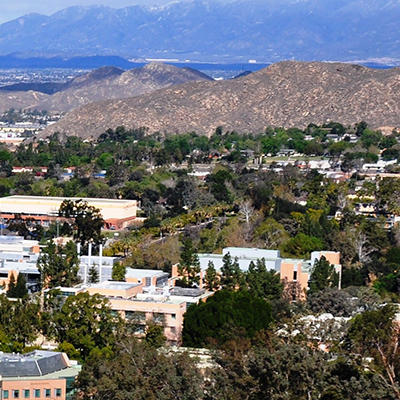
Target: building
[
  {"x": 18, "y": 255},
  {"x": 118, "y": 214},
  {"x": 37, "y": 375},
  {"x": 141, "y": 305},
  {"x": 289, "y": 269}
]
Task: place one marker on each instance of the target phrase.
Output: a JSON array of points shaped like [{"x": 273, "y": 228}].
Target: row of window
[
  {"x": 26, "y": 394},
  {"x": 141, "y": 316}
]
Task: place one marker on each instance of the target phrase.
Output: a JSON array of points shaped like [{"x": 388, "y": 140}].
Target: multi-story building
[
  {"x": 18, "y": 255},
  {"x": 143, "y": 305},
  {"x": 37, "y": 375},
  {"x": 118, "y": 214},
  {"x": 289, "y": 269}
]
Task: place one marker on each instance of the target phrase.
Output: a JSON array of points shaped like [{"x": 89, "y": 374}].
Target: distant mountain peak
[{"x": 265, "y": 30}]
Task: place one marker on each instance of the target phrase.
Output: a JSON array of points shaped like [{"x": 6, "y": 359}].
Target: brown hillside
[
  {"x": 20, "y": 100},
  {"x": 284, "y": 94},
  {"x": 113, "y": 83}
]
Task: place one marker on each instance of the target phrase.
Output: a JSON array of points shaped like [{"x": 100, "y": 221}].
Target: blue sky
[{"x": 10, "y": 9}]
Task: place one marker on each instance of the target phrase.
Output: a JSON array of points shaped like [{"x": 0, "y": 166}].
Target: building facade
[
  {"x": 289, "y": 269},
  {"x": 38, "y": 375},
  {"x": 118, "y": 214}
]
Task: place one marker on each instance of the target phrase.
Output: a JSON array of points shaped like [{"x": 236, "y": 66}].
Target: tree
[
  {"x": 277, "y": 370},
  {"x": 263, "y": 283},
  {"x": 118, "y": 272},
  {"x": 87, "y": 323},
  {"x": 189, "y": 264},
  {"x": 246, "y": 209},
  {"x": 376, "y": 333},
  {"x": 93, "y": 274},
  {"x": 211, "y": 278},
  {"x": 339, "y": 303},
  {"x": 231, "y": 274},
  {"x": 19, "y": 324},
  {"x": 224, "y": 316},
  {"x": 20, "y": 288},
  {"x": 11, "y": 286},
  {"x": 323, "y": 275},
  {"x": 136, "y": 370},
  {"x": 155, "y": 335},
  {"x": 302, "y": 245},
  {"x": 58, "y": 265},
  {"x": 87, "y": 221},
  {"x": 272, "y": 233}
]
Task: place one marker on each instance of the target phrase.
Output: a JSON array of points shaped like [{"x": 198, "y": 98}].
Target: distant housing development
[{"x": 117, "y": 214}]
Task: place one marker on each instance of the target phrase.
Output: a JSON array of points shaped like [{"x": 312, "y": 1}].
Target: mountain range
[
  {"x": 289, "y": 94},
  {"x": 266, "y": 30},
  {"x": 100, "y": 84}
]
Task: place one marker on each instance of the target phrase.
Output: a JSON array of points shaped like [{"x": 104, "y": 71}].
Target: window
[
  {"x": 5, "y": 394},
  {"x": 58, "y": 392},
  {"x": 27, "y": 393},
  {"x": 158, "y": 318},
  {"x": 37, "y": 393},
  {"x": 173, "y": 316},
  {"x": 16, "y": 394},
  {"x": 47, "y": 392},
  {"x": 295, "y": 275},
  {"x": 135, "y": 316}
]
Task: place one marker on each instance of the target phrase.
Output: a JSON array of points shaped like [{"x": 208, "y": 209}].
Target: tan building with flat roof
[{"x": 117, "y": 213}]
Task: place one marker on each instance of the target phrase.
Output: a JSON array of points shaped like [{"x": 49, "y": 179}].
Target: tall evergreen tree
[
  {"x": 20, "y": 288},
  {"x": 59, "y": 265},
  {"x": 264, "y": 283},
  {"x": 93, "y": 274},
  {"x": 211, "y": 278},
  {"x": 189, "y": 264},
  {"x": 118, "y": 272},
  {"x": 11, "y": 287},
  {"x": 231, "y": 274},
  {"x": 323, "y": 275}
]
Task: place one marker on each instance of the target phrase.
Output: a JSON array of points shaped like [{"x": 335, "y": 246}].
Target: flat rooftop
[
  {"x": 61, "y": 199},
  {"x": 143, "y": 273},
  {"x": 113, "y": 285}
]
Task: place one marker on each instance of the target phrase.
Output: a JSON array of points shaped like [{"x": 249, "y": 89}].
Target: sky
[{"x": 10, "y": 9}]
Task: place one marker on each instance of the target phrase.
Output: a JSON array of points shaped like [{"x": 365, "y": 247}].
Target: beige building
[
  {"x": 143, "y": 308},
  {"x": 117, "y": 213}
]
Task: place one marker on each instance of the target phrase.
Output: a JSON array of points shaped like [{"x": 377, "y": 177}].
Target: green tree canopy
[
  {"x": 118, "y": 272},
  {"x": 263, "y": 283},
  {"x": 231, "y": 274},
  {"x": 136, "y": 370},
  {"x": 87, "y": 323},
  {"x": 224, "y": 315},
  {"x": 87, "y": 221},
  {"x": 58, "y": 265},
  {"x": 189, "y": 264},
  {"x": 323, "y": 275}
]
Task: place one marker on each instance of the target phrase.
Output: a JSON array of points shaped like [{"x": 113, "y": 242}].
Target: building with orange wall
[
  {"x": 289, "y": 269},
  {"x": 37, "y": 375}
]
